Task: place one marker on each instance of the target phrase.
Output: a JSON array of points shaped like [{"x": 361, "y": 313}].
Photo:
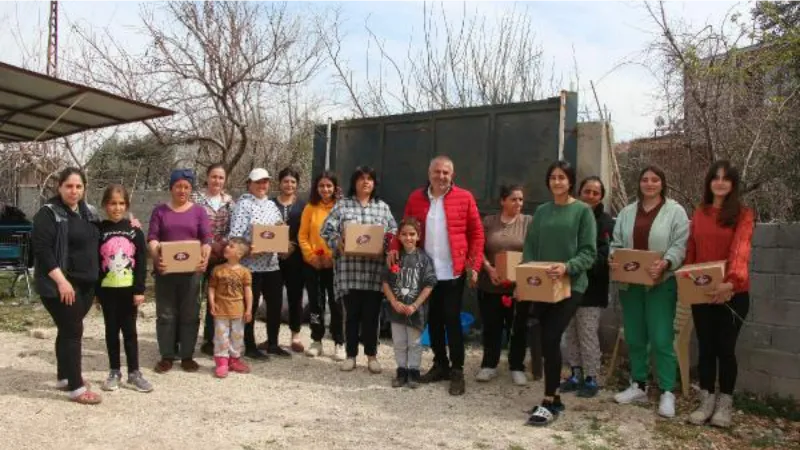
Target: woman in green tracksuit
[{"x": 659, "y": 224}]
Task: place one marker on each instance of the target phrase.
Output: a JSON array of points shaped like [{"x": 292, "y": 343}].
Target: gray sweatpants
[
  {"x": 582, "y": 340},
  {"x": 407, "y": 346},
  {"x": 177, "y": 313}
]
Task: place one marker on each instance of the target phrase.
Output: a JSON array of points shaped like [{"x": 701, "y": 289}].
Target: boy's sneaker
[
  {"x": 634, "y": 394},
  {"x": 113, "y": 380},
  {"x": 486, "y": 374},
  {"x": 339, "y": 353},
  {"x": 666, "y": 407},
  {"x": 518, "y": 378},
  {"x": 413, "y": 378},
  {"x": 314, "y": 349},
  {"x": 238, "y": 366},
  {"x": 571, "y": 384},
  {"x": 401, "y": 379},
  {"x": 137, "y": 381},
  {"x": 589, "y": 388}
]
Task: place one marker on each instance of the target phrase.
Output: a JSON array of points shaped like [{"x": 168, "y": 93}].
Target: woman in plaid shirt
[
  {"x": 218, "y": 206},
  {"x": 357, "y": 279}
]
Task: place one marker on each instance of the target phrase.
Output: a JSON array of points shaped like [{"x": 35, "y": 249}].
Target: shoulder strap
[{"x": 58, "y": 212}]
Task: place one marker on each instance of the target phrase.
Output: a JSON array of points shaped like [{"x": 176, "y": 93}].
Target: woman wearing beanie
[{"x": 177, "y": 306}]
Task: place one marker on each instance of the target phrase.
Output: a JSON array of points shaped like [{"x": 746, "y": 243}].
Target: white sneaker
[
  {"x": 519, "y": 378},
  {"x": 631, "y": 395},
  {"x": 666, "y": 407},
  {"x": 374, "y": 366},
  {"x": 315, "y": 349},
  {"x": 723, "y": 412},
  {"x": 705, "y": 410},
  {"x": 486, "y": 374},
  {"x": 348, "y": 365},
  {"x": 339, "y": 354}
]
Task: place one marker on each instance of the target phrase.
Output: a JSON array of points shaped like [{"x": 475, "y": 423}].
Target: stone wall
[{"x": 769, "y": 345}]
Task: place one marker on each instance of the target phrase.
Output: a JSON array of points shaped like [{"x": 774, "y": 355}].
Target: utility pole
[{"x": 52, "y": 41}]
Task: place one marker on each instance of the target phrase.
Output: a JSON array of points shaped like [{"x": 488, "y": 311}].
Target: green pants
[{"x": 648, "y": 314}]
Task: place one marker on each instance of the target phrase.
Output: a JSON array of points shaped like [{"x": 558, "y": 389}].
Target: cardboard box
[
  {"x": 270, "y": 238},
  {"x": 505, "y": 264},
  {"x": 533, "y": 284},
  {"x": 633, "y": 265},
  {"x": 696, "y": 280},
  {"x": 181, "y": 256},
  {"x": 363, "y": 240}
]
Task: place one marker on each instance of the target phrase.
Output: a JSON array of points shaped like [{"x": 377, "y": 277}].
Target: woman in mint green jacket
[{"x": 659, "y": 224}]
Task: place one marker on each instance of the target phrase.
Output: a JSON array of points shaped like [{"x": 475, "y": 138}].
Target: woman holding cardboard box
[
  {"x": 504, "y": 232},
  {"x": 255, "y": 208},
  {"x": 291, "y": 263},
  {"x": 562, "y": 233},
  {"x": 318, "y": 269},
  {"x": 654, "y": 224},
  {"x": 357, "y": 273},
  {"x": 178, "y": 222},
  {"x": 721, "y": 230},
  {"x": 582, "y": 340}
]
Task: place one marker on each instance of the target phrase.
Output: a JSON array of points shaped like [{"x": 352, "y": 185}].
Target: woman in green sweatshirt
[
  {"x": 659, "y": 224},
  {"x": 562, "y": 231}
]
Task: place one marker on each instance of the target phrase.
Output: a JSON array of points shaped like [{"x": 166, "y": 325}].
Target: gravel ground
[{"x": 287, "y": 403}]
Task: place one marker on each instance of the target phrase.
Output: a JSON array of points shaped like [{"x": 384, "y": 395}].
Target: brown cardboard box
[
  {"x": 181, "y": 256},
  {"x": 695, "y": 280},
  {"x": 633, "y": 265},
  {"x": 363, "y": 240},
  {"x": 270, "y": 238},
  {"x": 533, "y": 284},
  {"x": 505, "y": 263}
]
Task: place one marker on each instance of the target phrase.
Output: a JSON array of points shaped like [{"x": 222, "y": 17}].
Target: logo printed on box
[
  {"x": 363, "y": 239},
  {"x": 267, "y": 235},
  {"x": 181, "y": 256},
  {"x": 703, "y": 280},
  {"x": 534, "y": 281},
  {"x": 631, "y": 266}
]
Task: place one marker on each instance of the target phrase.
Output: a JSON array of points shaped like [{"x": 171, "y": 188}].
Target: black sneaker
[
  {"x": 571, "y": 384},
  {"x": 457, "y": 384},
  {"x": 277, "y": 350},
  {"x": 401, "y": 379},
  {"x": 207, "y": 348},
  {"x": 256, "y": 355},
  {"x": 435, "y": 374},
  {"x": 413, "y": 378}
]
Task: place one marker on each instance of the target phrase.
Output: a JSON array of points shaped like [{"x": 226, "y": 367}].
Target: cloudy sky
[{"x": 604, "y": 35}]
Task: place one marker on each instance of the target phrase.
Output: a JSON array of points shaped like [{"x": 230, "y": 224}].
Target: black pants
[
  {"x": 717, "y": 329},
  {"x": 496, "y": 318},
  {"x": 208, "y": 324},
  {"x": 363, "y": 309},
  {"x": 292, "y": 276},
  {"x": 119, "y": 314},
  {"x": 554, "y": 319},
  {"x": 319, "y": 284},
  {"x": 269, "y": 285},
  {"x": 444, "y": 309},
  {"x": 177, "y": 313},
  {"x": 69, "y": 322}
]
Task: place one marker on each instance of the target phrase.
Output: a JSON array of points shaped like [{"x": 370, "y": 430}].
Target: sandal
[
  {"x": 541, "y": 416},
  {"x": 163, "y": 366},
  {"x": 87, "y": 398}
]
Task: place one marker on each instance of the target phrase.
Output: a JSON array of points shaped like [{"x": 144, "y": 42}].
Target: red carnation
[
  {"x": 506, "y": 300},
  {"x": 319, "y": 252},
  {"x": 507, "y": 284},
  {"x": 395, "y": 268}
]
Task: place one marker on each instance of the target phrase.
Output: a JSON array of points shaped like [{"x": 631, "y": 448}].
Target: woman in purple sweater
[{"x": 177, "y": 305}]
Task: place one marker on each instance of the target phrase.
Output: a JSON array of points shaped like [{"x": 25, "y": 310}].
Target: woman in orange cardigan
[
  {"x": 721, "y": 230},
  {"x": 318, "y": 267}
]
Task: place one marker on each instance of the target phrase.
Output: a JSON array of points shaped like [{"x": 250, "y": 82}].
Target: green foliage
[{"x": 139, "y": 160}]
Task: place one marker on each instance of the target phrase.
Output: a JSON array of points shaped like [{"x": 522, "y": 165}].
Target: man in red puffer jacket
[{"x": 452, "y": 235}]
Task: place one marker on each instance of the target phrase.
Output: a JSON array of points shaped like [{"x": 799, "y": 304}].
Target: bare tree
[
  {"x": 218, "y": 64},
  {"x": 466, "y": 61}
]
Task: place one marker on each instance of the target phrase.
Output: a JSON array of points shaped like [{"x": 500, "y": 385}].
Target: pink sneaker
[
  {"x": 221, "y": 371},
  {"x": 239, "y": 366}
]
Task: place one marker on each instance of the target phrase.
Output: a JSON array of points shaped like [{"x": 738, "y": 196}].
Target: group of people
[{"x": 440, "y": 245}]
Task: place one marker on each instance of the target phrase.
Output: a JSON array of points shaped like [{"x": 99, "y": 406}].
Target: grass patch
[
  {"x": 772, "y": 406},
  {"x": 515, "y": 447},
  {"x": 24, "y": 317}
]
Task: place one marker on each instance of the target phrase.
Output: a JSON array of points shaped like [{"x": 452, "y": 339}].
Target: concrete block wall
[{"x": 768, "y": 350}]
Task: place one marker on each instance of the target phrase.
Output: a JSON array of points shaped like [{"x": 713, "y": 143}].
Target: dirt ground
[{"x": 286, "y": 403}]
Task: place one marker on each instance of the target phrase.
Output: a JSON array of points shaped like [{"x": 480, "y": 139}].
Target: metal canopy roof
[{"x": 37, "y": 107}]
